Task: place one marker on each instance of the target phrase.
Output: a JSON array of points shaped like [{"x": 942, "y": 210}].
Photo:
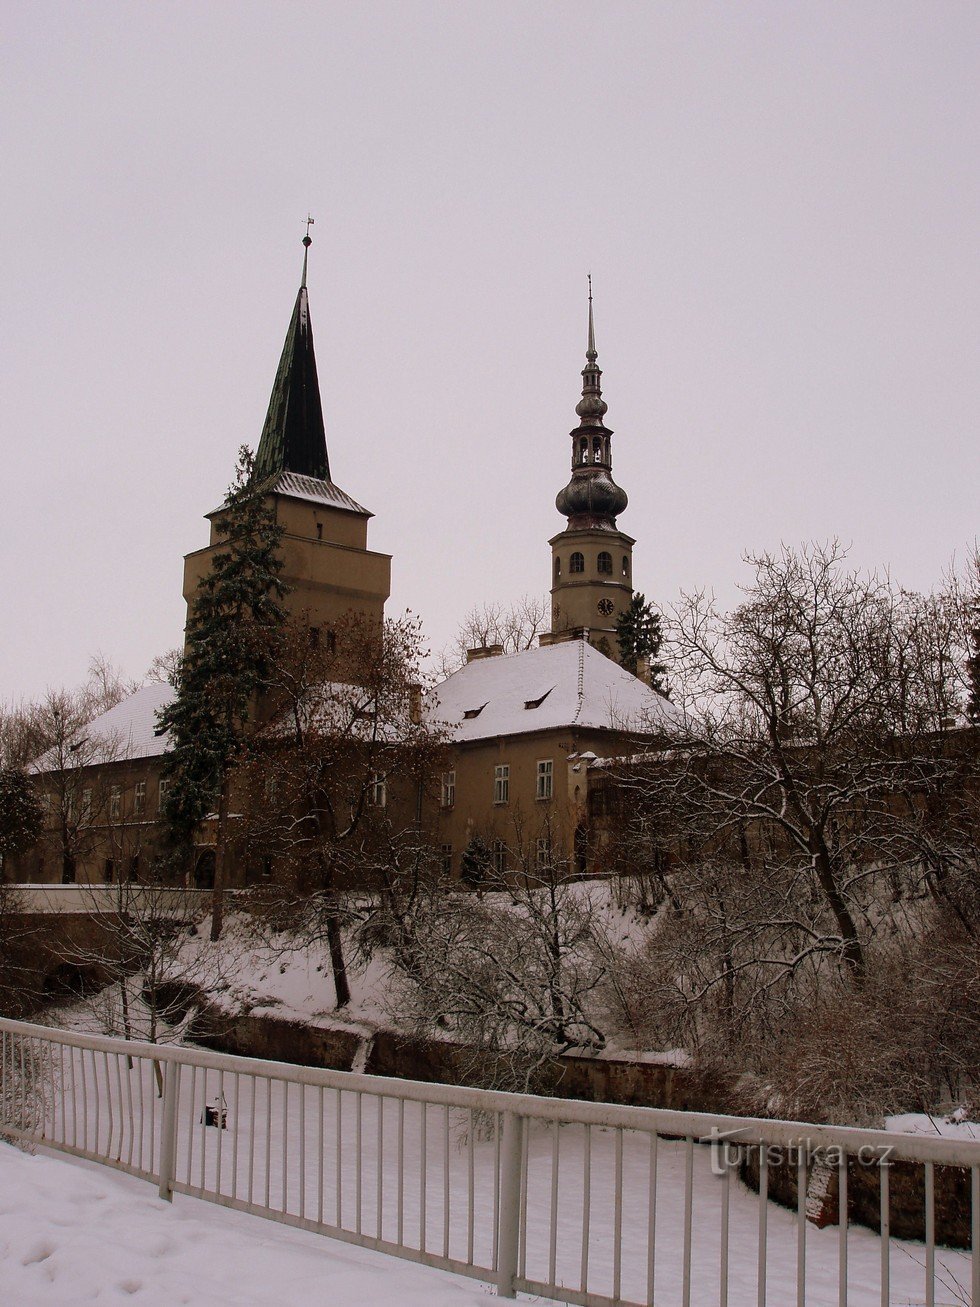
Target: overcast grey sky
[{"x": 779, "y": 204}]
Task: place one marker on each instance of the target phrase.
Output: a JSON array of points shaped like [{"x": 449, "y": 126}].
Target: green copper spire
[{"x": 293, "y": 438}]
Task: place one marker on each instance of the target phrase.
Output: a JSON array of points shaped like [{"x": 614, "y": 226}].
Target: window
[
  {"x": 501, "y": 784},
  {"x": 583, "y": 453},
  {"x": 331, "y": 642},
  {"x": 499, "y": 857},
  {"x": 597, "y": 450},
  {"x": 134, "y": 867},
  {"x": 446, "y": 858},
  {"x": 626, "y": 566},
  {"x": 377, "y": 795},
  {"x": 546, "y": 778},
  {"x": 115, "y": 802},
  {"x": 448, "y": 789},
  {"x": 604, "y": 563},
  {"x": 314, "y": 637},
  {"x": 86, "y": 805},
  {"x": 162, "y": 798},
  {"x": 470, "y": 713},
  {"x": 139, "y": 797},
  {"x": 543, "y": 851},
  {"x": 536, "y": 703},
  {"x": 577, "y": 562},
  {"x": 319, "y": 530},
  {"x": 557, "y": 569},
  {"x": 109, "y": 871}
]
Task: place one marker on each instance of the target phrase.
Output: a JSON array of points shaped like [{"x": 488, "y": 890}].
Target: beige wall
[{"x": 575, "y": 596}]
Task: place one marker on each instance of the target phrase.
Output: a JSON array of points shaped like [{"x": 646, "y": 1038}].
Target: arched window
[
  {"x": 583, "y": 450},
  {"x": 557, "y": 568},
  {"x": 626, "y": 565},
  {"x": 597, "y": 450},
  {"x": 604, "y": 563},
  {"x": 576, "y": 563}
]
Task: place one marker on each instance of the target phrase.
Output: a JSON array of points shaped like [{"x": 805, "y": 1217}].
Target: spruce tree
[
  {"x": 233, "y": 625},
  {"x": 21, "y": 816},
  {"x": 640, "y": 637}
]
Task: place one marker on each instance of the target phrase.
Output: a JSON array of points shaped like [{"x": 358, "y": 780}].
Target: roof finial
[
  {"x": 307, "y": 242},
  {"x": 590, "y": 353}
]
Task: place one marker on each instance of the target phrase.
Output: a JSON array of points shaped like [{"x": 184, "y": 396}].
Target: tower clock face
[{"x": 605, "y": 607}]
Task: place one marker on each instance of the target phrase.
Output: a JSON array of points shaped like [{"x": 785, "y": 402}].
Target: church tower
[
  {"x": 591, "y": 560},
  {"x": 327, "y": 565}
]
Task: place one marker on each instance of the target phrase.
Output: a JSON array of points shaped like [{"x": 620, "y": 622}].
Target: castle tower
[
  {"x": 327, "y": 565},
  {"x": 591, "y": 560}
]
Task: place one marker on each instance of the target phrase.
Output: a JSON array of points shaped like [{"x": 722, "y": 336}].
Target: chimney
[{"x": 484, "y": 651}]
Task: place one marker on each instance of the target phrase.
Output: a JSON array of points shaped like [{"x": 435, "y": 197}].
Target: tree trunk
[
  {"x": 218, "y": 890},
  {"x": 851, "y": 952},
  {"x": 337, "y": 961}
]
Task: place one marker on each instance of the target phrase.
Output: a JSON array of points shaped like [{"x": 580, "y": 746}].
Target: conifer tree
[
  {"x": 21, "y": 816},
  {"x": 640, "y": 637},
  {"x": 232, "y": 628}
]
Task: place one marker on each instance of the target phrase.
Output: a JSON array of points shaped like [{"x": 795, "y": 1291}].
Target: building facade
[{"x": 513, "y": 789}]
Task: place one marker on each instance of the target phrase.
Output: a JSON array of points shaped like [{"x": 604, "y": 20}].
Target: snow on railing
[{"x": 585, "y": 1203}]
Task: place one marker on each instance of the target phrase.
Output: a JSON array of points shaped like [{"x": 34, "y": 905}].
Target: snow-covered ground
[{"x": 72, "y": 1233}]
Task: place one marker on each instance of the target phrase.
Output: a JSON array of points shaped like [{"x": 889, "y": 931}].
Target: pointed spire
[
  {"x": 590, "y": 353},
  {"x": 591, "y": 498},
  {"x": 293, "y": 438}
]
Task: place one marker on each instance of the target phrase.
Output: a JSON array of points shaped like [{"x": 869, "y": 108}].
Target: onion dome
[{"x": 592, "y": 498}]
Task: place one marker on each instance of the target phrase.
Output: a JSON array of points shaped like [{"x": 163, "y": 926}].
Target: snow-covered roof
[
  {"x": 123, "y": 732},
  {"x": 554, "y": 686}
]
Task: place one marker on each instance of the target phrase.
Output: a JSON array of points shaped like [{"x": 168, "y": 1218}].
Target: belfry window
[
  {"x": 557, "y": 568},
  {"x": 604, "y": 563},
  {"x": 597, "y": 450},
  {"x": 626, "y": 565},
  {"x": 583, "y": 453},
  {"x": 577, "y": 562}
]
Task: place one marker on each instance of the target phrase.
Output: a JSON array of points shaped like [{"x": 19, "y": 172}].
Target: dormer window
[
  {"x": 536, "y": 703},
  {"x": 470, "y": 713}
]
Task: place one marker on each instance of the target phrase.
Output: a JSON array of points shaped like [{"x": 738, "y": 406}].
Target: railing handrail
[{"x": 850, "y": 1140}]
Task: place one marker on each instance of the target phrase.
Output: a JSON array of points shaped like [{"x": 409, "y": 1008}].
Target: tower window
[
  {"x": 626, "y": 565},
  {"x": 577, "y": 562},
  {"x": 557, "y": 568},
  {"x": 597, "y": 450},
  {"x": 604, "y": 563},
  {"x": 319, "y": 530},
  {"x": 583, "y": 453}
]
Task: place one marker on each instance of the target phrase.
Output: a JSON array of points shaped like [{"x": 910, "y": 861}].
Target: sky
[{"x": 779, "y": 205}]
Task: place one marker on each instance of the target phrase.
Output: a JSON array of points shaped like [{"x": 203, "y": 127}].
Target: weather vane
[{"x": 308, "y": 239}]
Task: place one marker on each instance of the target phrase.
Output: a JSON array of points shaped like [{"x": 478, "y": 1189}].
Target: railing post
[
  {"x": 168, "y": 1130},
  {"x": 509, "y": 1208}
]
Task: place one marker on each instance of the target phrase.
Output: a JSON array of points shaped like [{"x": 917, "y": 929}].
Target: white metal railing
[{"x": 586, "y": 1203}]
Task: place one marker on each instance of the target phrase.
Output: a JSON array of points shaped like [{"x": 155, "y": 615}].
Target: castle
[{"x": 523, "y": 728}]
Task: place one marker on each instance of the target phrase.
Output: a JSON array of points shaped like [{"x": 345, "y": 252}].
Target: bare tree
[
  {"x": 514, "y": 629},
  {"x": 816, "y": 792},
  {"x": 165, "y": 667},
  {"x": 334, "y": 785}
]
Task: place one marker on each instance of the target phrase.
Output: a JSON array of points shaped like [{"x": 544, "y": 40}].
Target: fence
[{"x": 585, "y": 1203}]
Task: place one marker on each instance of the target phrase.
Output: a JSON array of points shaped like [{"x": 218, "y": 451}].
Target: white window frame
[
  {"x": 448, "y": 799},
  {"x": 546, "y": 779},
  {"x": 139, "y": 798},
  {"x": 543, "y": 852},
  {"x": 377, "y": 795},
  {"x": 499, "y": 853},
  {"x": 115, "y": 802},
  {"x": 501, "y": 783},
  {"x": 86, "y": 809},
  {"x": 446, "y": 852},
  {"x": 164, "y": 790}
]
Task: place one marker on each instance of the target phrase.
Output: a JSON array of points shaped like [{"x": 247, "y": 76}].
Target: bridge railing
[{"x": 585, "y": 1203}]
